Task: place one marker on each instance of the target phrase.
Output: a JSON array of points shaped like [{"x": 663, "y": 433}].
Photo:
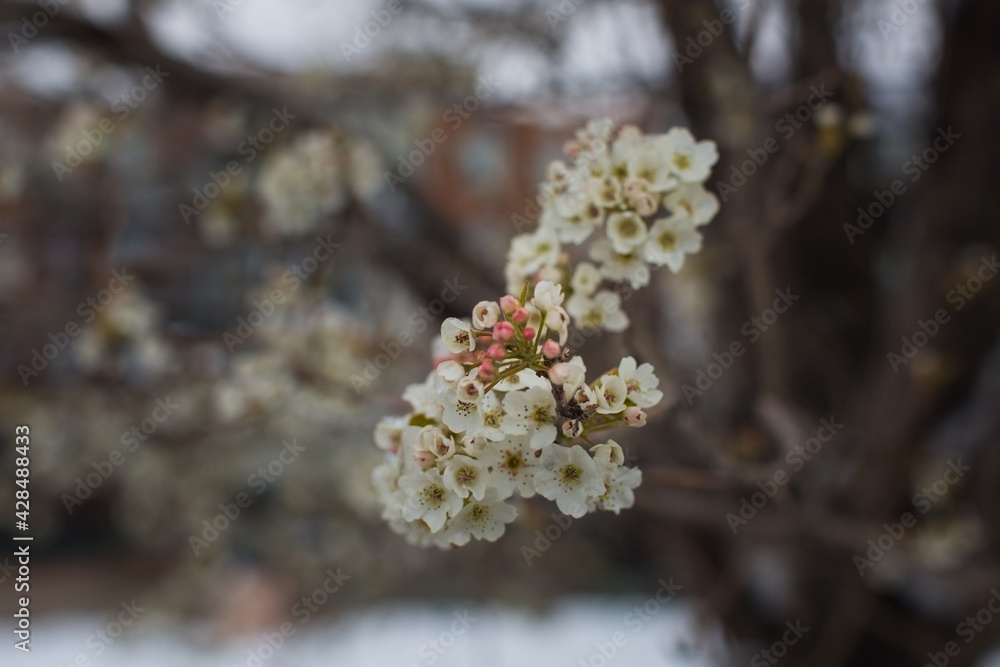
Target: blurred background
[{"x": 218, "y": 219}]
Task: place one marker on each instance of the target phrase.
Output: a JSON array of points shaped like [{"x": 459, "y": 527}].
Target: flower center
[
  {"x": 668, "y": 240},
  {"x": 628, "y": 227},
  {"x": 513, "y": 461},
  {"x": 434, "y": 495},
  {"x": 541, "y": 415},
  {"x": 466, "y": 476},
  {"x": 682, "y": 161},
  {"x": 594, "y": 317},
  {"x": 570, "y": 475},
  {"x": 479, "y": 514}
]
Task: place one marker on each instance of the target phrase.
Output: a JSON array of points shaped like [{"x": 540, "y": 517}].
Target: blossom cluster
[
  {"x": 645, "y": 192},
  {"x": 508, "y": 411}
]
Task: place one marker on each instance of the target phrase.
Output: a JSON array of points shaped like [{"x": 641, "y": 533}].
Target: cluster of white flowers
[
  {"x": 507, "y": 407},
  {"x": 302, "y": 185},
  {"x": 644, "y": 191}
]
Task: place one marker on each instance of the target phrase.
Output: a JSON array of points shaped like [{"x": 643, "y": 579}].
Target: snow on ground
[{"x": 574, "y": 633}]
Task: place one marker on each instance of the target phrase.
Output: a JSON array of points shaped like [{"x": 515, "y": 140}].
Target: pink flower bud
[
  {"x": 529, "y": 333},
  {"x": 503, "y": 331},
  {"x": 634, "y": 416},
  {"x": 508, "y": 304},
  {"x": 572, "y": 148},
  {"x": 486, "y": 370},
  {"x": 520, "y": 316},
  {"x": 496, "y": 351},
  {"x": 551, "y": 349}
]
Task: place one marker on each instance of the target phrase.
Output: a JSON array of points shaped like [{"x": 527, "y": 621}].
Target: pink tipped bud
[
  {"x": 529, "y": 333},
  {"x": 520, "y": 315},
  {"x": 503, "y": 331},
  {"x": 508, "y": 304},
  {"x": 496, "y": 351},
  {"x": 551, "y": 349},
  {"x": 572, "y": 148},
  {"x": 634, "y": 416},
  {"x": 486, "y": 370}
]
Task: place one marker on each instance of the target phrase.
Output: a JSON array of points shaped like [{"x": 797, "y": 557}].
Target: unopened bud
[
  {"x": 503, "y": 332},
  {"x": 508, "y": 304},
  {"x": 634, "y": 416}
]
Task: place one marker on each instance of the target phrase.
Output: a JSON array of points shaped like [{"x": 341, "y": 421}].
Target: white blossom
[
  {"x": 532, "y": 411},
  {"x": 483, "y": 519},
  {"x": 641, "y": 382},
  {"x": 670, "y": 240},
  {"x": 465, "y": 475},
  {"x": 429, "y": 498},
  {"x": 626, "y": 231},
  {"x": 611, "y": 393},
  {"x": 619, "y": 483},
  {"x": 547, "y": 295},
  {"x": 690, "y": 161},
  {"x": 693, "y": 201},
  {"x": 570, "y": 477},
  {"x": 485, "y": 314},
  {"x": 602, "y": 311},
  {"x": 457, "y": 336},
  {"x": 512, "y": 465}
]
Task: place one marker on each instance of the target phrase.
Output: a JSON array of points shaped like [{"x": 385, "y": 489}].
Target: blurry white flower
[
  {"x": 694, "y": 201},
  {"x": 670, "y": 240},
  {"x": 691, "y": 161}
]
